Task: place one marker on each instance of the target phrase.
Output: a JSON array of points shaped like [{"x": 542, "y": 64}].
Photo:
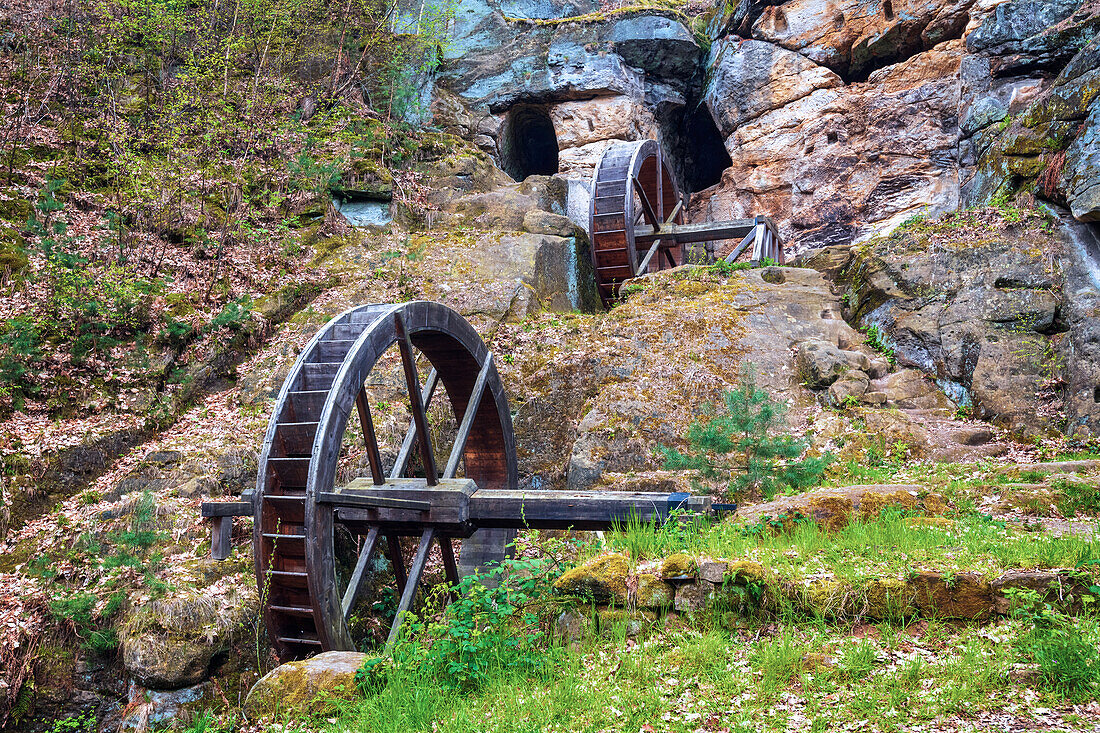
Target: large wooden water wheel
[
  {"x": 631, "y": 183},
  {"x": 308, "y": 591},
  {"x": 317, "y": 527},
  {"x": 636, "y": 220}
]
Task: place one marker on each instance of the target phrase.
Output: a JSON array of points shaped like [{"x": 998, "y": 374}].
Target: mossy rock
[
  {"x": 952, "y": 595},
  {"x": 13, "y": 258},
  {"x": 872, "y": 504},
  {"x": 652, "y": 592},
  {"x": 16, "y": 211},
  {"x": 889, "y": 598},
  {"x": 602, "y": 579},
  {"x": 313, "y": 686},
  {"x": 745, "y": 571},
  {"x": 678, "y": 566}
]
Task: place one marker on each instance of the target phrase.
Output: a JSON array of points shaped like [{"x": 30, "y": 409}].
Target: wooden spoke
[
  {"x": 648, "y": 256},
  {"x": 675, "y": 211},
  {"x": 468, "y": 418},
  {"x": 393, "y": 546},
  {"x": 420, "y": 418},
  {"x": 647, "y": 207},
  {"x": 405, "y": 453},
  {"x": 355, "y": 585},
  {"x": 408, "y": 595},
  {"x": 369, "y": 438}
]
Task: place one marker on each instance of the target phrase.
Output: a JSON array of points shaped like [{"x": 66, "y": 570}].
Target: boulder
[
  {"x": 1081, "y": 173},
  {"x": 694, "y": 597},
  {"x": 168, "y": 644},
  {"x": 850, "y": 387},
  {"x": 305, "y": 687},
  {"x": 820, "y": 363},
  {"x": 157, "y": 709},
  {"x": 911, "y": 389},
  {"x": 573, "y": 626},
  {"x": 834, "y": 508},
  {"x": 832, "y": 164},
  {"x": 664, "y": 48},
  {"x": 620, "y": 620},
  {"x": 602, "y": 579},
  {"x": 1061, "y": 588},
  {"x": 652, "y": 592}
]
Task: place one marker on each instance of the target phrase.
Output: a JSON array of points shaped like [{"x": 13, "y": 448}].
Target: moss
[
  {"x": 872, "y": 503},
  {"x": 830, "y": 512},
  {"x": 678, "y": 566},
  {"x": 16, "y": 210},
  {"x": 652, "y": 592},
  {"x": 314, "y": 686},
  {"x": 602, "y": 579},
  {"x": 745, "y": 571},
  {"x": 609, "y": 621},
  {"x": 889, "y": 598}
]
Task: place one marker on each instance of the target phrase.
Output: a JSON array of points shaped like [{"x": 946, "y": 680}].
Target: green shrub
[
  {"x": 743, "y": 443},
  {"x": 496, "y": 625}
]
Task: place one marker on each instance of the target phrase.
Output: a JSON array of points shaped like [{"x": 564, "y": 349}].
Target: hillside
[{"x": 191, "y": 191}]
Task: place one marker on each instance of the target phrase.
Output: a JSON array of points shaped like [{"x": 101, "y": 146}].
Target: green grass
[
  {"x": 887, "y": 546},
  {"x": 808, "y": 676}
]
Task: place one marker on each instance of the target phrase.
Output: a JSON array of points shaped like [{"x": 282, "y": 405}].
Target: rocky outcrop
[
  {"x": 975, "y": 302},
  {"x": 1030, "y": 35},
  {"x": 854, "y": 37},
  {"x": 833, "y": 163}
]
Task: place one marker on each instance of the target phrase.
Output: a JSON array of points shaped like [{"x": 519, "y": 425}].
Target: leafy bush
[
  {"x": 496, "y": 625},
  {"x": 742, "y": 443}
]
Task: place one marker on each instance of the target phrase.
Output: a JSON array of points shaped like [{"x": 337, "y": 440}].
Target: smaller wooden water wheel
[
  {"x": 632, "y": 183},
  {"x": 636, "y": 220}
]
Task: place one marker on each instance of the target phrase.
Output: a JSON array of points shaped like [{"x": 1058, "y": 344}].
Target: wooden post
[{"x": 220, "y": 545}]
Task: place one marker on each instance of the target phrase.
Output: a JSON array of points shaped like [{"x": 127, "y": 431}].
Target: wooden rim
[
  {"x": 631, "y": 186},
  {"x": 293, "y": 538}
]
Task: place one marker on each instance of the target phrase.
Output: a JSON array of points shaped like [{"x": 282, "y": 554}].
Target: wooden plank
[
  {"x": 226, "y": 509},
  {"x": 758, "y": 245},
  {"x": 374, "y": 458},
  {"x": 402, "y": 461},
  {"x": 358, "y": 576},
  {"x": 450, "y": 567},
  {"x": 467, "y": 423},
  {"x": 702, "y": 232},
  {"x": 295, "y": 438},
  {"x": 579, "y": 510},
  {"x": 417, "y": 569},
  {"x": 340, "y": 498}
]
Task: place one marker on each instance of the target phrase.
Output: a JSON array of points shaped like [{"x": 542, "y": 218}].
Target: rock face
[
  {"x": 307, "y": 686},
  {"x": 854, "y": 37},
  {"x": 975, "y": 303}
]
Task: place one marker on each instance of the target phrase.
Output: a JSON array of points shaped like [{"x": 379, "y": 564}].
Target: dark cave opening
[
  {"x": 529, "y": 145},
  {"x": 697, "y": 151}
]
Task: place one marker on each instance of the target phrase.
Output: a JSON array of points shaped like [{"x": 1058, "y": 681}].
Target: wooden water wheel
[
  {"x": 315, "y": 532},
  {"x": 298, "y": 538},
  {"x": 636, "y": 220},
  {"x": 631, "y": 183}
]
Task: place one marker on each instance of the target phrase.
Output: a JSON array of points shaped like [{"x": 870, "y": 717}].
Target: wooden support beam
[
  {"x": 450, "y": 567},
  {"x": 420, "y": 418},
  {"x": 374, "y": 458},
  {"x": 358, "y": 576},
  {"x": 409, "y": 594},
  {"x": 732, "y": 256},
  {"x": 648, "y": 256},
  {"x": 702, "y": 232},
  {"x": 393, "y": 543},
  {"x": 226, "y": 509},
  {"x": 758, "y": 245},
  {"x": 647, "y": 207},
  {"x": 467, "y": 423},
  {"x": 403, "y": 455},
  {"x": 220, "y": 544}
]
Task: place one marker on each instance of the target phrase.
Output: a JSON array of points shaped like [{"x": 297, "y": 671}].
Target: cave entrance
[
  {"x": 696, "y": 148},
  {"x": 529, "y": 145}
]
